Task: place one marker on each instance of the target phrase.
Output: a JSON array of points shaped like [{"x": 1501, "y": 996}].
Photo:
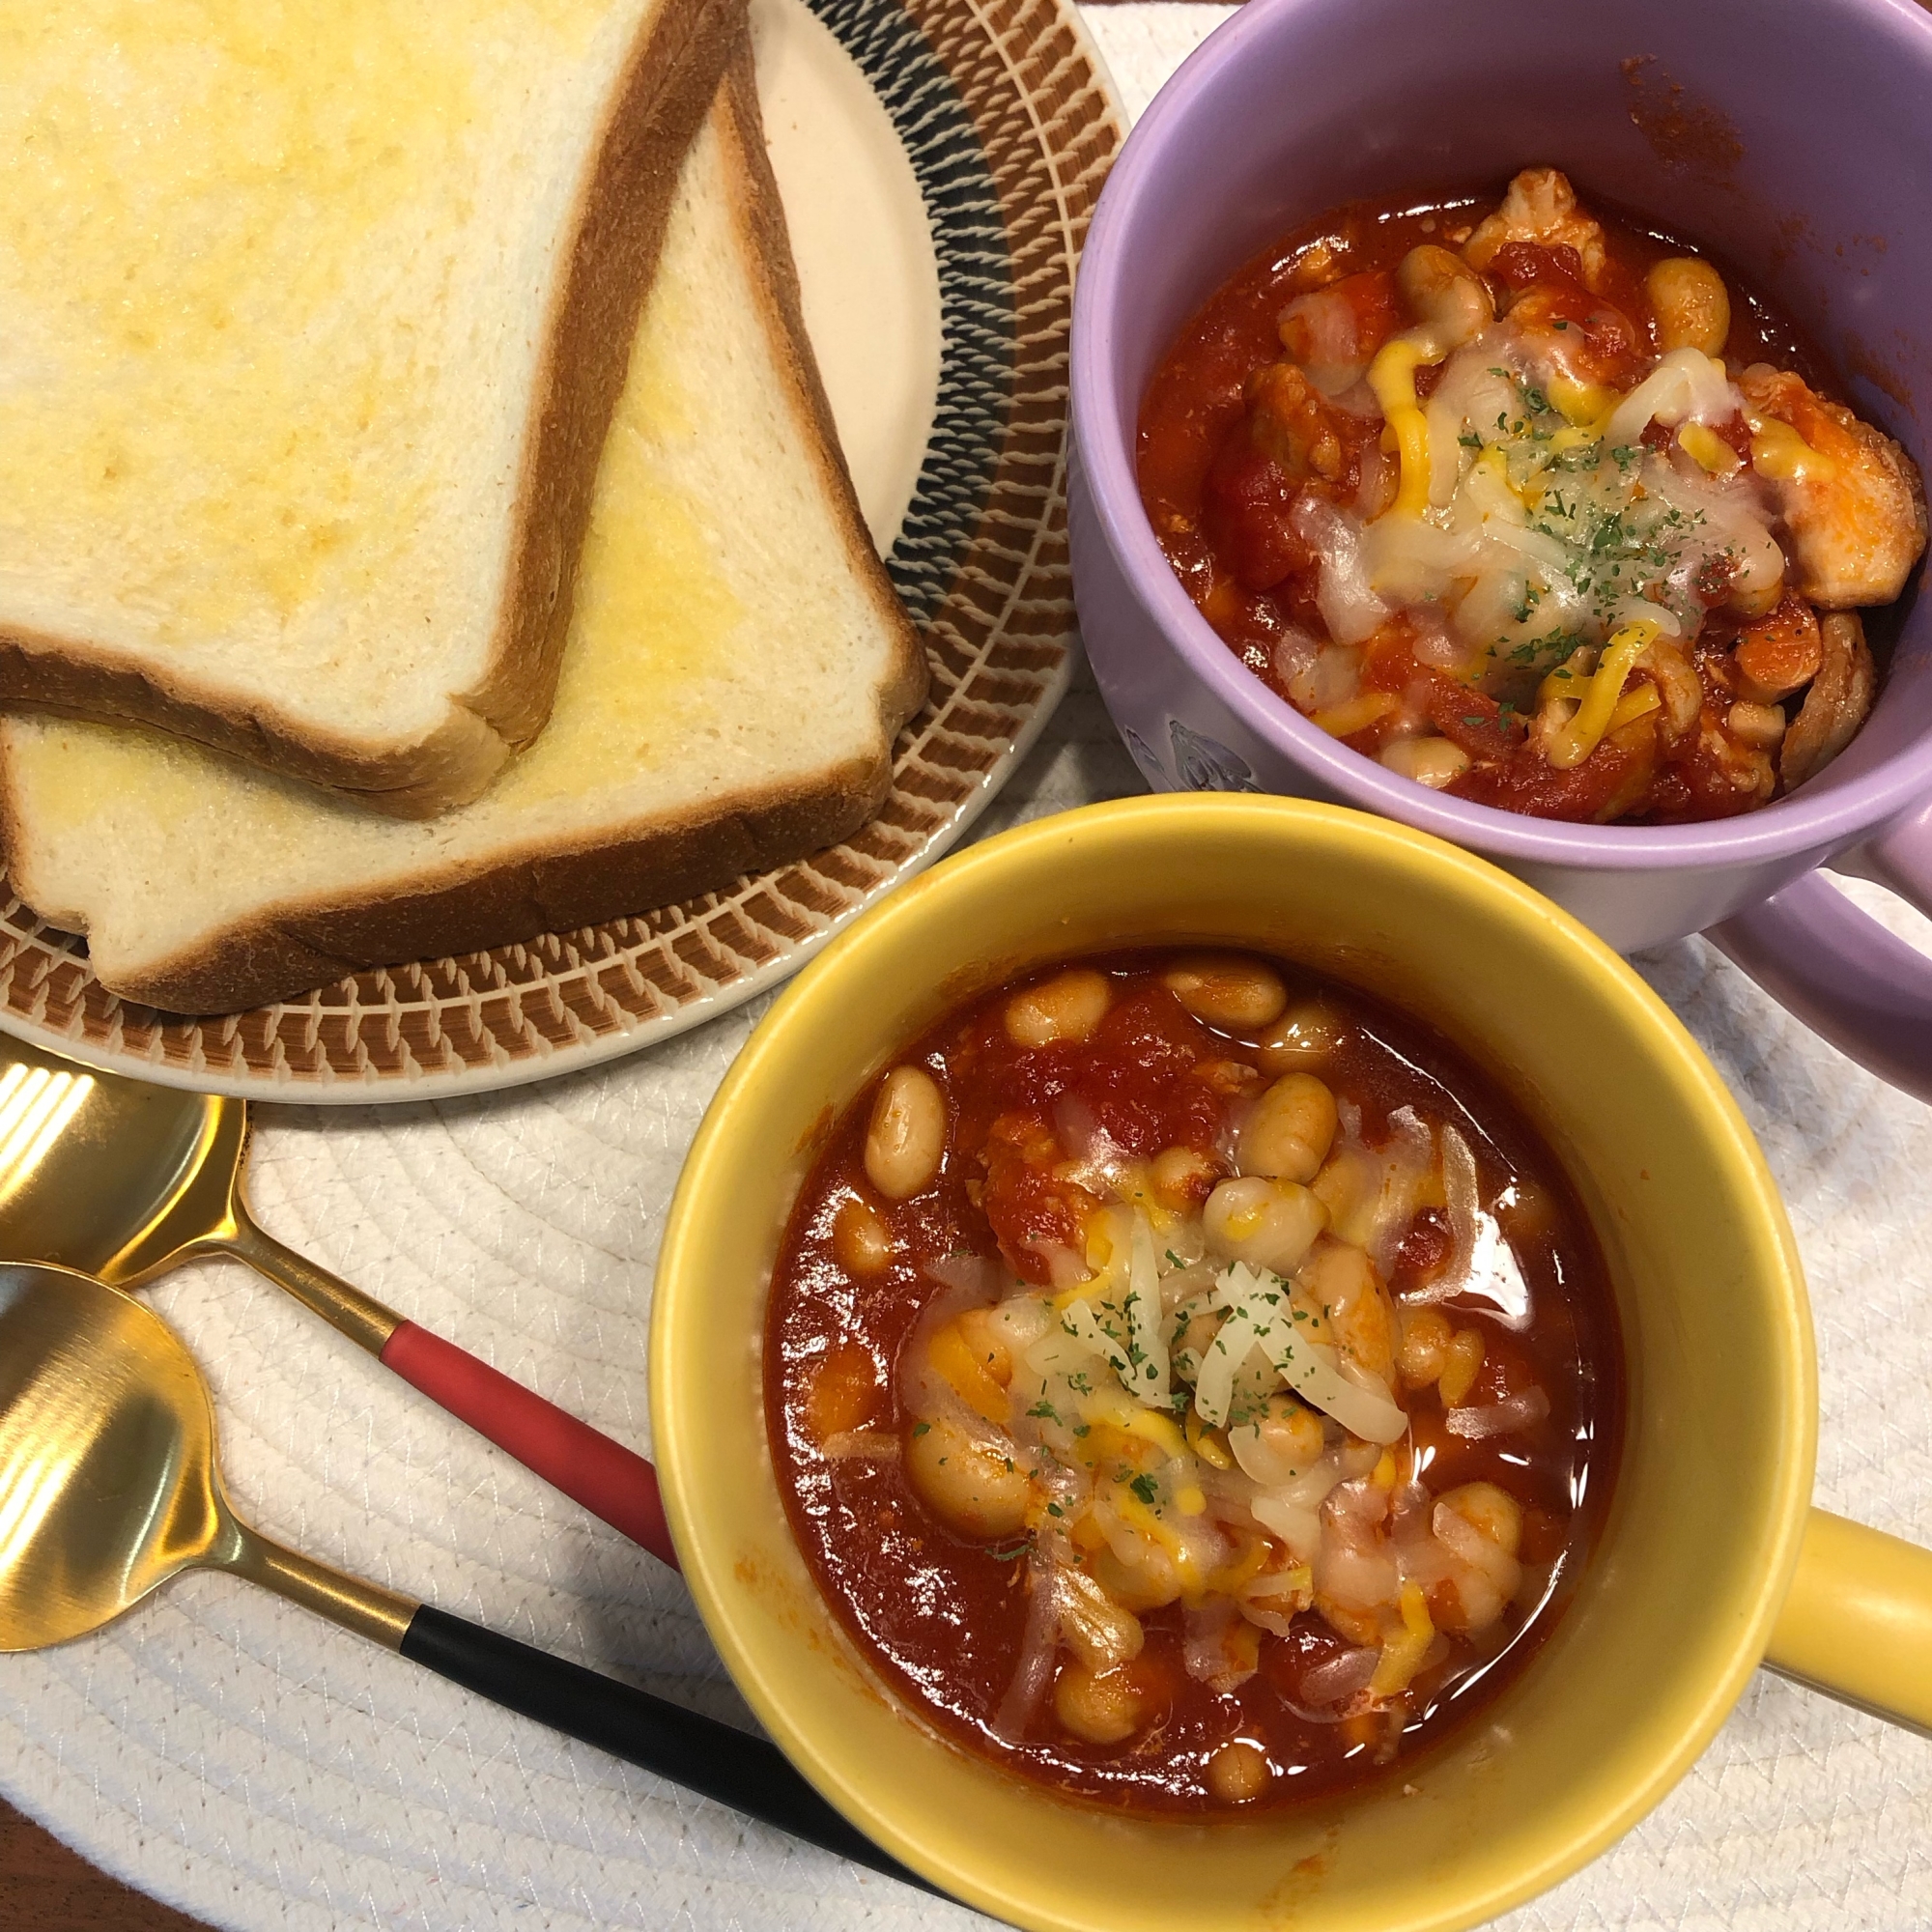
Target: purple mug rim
[{"x": 1830, "y": 822}]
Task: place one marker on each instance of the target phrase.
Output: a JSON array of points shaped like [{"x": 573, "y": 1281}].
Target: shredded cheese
[
  {"x": 1633, "y": 705},
  {"x": 1392, "y": 377},
  {"x": 1403, "y": 1654},
  {"x": 1587, "y": 404},
  {"x": 1706, "y": 448},
  {"x": 1780, "y": 453},
  {"x": 1343, "y": 720},
  {"x": 1162, "y": 1431},
  {"x": 1572, "y": 743}
]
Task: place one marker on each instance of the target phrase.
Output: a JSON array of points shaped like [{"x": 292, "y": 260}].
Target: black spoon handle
[{"x": 746, "y": 1772}]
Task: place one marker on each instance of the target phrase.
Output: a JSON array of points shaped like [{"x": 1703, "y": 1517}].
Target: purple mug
[{"x": 1797, "y": 140}]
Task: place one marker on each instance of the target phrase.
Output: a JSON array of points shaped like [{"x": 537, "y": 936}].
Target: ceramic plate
[{"x": 939, "y": 160}]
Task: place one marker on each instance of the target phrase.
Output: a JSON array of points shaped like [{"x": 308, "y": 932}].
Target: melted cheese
[
  {"x": 1706, "y": 448},
  {"x": 1572, "y": 743},
  {"x": 1780, "y": 453},
  {"x": 1392, "y": 377}
]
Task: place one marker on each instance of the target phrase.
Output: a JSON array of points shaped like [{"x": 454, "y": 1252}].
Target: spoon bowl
[
  {"x": 124, "y": 1180},
  {"x": 109, "y": 1483},
  {"x": 107, "y": 1480},
  {"x": 112, "y": 1176},
  {"x": 109, "y": 1487}
]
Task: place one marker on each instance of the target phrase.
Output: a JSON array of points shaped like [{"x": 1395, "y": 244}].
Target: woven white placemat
[{"x": 261, "y": 1770}]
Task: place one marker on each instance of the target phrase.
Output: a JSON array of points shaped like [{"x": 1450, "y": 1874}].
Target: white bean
[
  {"x": 1445, "y": 295},
  {"x": 1301, "y": 1038},
  {"x": 907, "y": 1133},
  {"x": 1269, "y": 1224},
  {"x": 1094, "y": 1628},
  {"x": 1104, "y": 1709},
  {"x": 1492, "y": 1509},
  {"x": 1428, "y": 759},
  {"x": 1067, "y": 1007},
  {"x": 1285, "y": 1442},
  {"x": 1423, "y": 1352},
  {"x": 861, "y": 1241},
  {"x": 1227, "y": 989},
  {"x": 1181, "y": 1177},
  {"x": 979, "y": 1490},
  {"x": 1691, "y": 304},
  {"x": 1238, "y": 1772},
  {"x": 1463, "y": 1363},
  {"x": 1290, "y": 1131}
]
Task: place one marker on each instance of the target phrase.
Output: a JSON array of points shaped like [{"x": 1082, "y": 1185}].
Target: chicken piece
[
  {"x": 1293, "y": 425},
  {"x": 1679, "y": 688},
  {"x": 1540, "y": 206},
  {"x": 1334, "y": 333},
  {"x": 1837, "y": 704},
  {"x": 1853, "y": 502},
  {"x": 1777, "y": 653}
]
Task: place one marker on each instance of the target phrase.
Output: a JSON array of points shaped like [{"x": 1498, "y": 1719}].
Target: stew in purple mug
[{"x": 1794, "y": 141}]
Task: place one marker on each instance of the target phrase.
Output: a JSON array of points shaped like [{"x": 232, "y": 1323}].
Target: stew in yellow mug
[{"x": 1710, "y": 1562}]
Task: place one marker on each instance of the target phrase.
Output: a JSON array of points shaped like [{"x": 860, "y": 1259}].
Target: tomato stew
[
  {"x": 1192, "y": 1385},
  {"x": 1531, "y": 503}
]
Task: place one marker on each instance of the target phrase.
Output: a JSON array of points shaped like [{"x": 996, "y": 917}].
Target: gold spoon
[
  {"x": 124, "y": 1180},
  {"x": 108, "y": 1487}
]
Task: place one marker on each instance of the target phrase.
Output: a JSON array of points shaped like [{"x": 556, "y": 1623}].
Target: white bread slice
[
  {"x": 736, "y": 671},
  {"x": 312, "y": 316}
]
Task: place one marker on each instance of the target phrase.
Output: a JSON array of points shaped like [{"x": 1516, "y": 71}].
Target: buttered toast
[
  {"x": 312, "y": 318},
  {"x": 736, "y": 670}
]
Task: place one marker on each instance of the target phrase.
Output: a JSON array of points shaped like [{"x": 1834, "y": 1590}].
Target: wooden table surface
[{"x": 46, "y": 1887}]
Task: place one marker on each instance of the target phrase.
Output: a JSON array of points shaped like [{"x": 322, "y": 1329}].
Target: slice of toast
[
  {"x": 736, "y": 671},
  {"x": 312, "y": 318}
]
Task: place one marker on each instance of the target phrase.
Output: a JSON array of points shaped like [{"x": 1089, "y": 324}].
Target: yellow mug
[{"x": 1711, "y": 1560}]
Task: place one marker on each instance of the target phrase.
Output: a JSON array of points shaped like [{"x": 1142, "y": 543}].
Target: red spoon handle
[{"x": 608, "y": 1479}]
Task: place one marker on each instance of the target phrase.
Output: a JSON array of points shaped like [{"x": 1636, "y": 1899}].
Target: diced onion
[
  {"x": 1631, "y": 609},
  {"x": 969, "y": 1275},
  {"x": 1460, "y": 1203},
  {"x": 1349, "y": 606},
  {"x": 1035, "y": 1667},
  {"x": 1502, "y": 1418},
  {"x": 1337, "y": 1679},
  {"x": 1300, "y": 1528},
  {"x": 1686, "y": 386},
  {"x": 846, "y": 1445}
]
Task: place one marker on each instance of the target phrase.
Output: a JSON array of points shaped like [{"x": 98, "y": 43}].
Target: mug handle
[
  {"x": 1838, "y": 970},
  {"x": 1857, "y": 1622}
]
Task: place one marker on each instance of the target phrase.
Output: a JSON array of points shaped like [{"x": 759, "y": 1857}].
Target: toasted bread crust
[
  {"x": 295, "y": 947},
  {"x": 664, "y": 96},
  {"x": 904, "y": 688}
]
